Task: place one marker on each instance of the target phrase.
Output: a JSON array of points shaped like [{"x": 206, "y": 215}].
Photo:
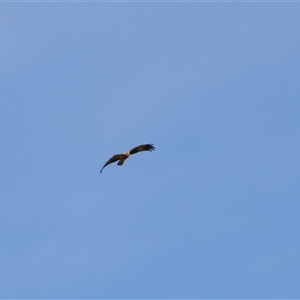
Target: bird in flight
[{"x": 122, "y": 157}]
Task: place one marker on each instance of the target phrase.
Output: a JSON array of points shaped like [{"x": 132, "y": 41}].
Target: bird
[{"x": 122, "y": 157}]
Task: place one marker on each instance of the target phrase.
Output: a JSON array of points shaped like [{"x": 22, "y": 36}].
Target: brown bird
[{"x": 122, "y": 157}]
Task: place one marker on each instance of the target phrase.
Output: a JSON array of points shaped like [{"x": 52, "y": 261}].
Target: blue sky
[{"x": 212, "y": 213}]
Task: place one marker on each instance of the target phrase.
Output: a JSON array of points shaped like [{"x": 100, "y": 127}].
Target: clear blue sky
[{"x": 212, "y": 213}]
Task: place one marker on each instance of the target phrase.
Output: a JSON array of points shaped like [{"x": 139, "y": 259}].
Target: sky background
[{"x": 212, "y": 213}]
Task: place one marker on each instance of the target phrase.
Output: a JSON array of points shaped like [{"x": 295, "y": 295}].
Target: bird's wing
[
  {"x": 146, "y": 147},
  {"x": 112, "y": 160}
]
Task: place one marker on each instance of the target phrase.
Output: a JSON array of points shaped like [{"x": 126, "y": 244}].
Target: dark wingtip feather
[
  {"x": 103, "y": 166},
  {"x": 151, "y": 147}
]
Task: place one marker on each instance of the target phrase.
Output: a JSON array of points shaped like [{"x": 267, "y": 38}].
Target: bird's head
[{"x": 126, "y": 153}]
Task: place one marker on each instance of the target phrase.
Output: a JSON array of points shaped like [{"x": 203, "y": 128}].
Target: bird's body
[
  {"x": 123, "y": 157},
  {"x": 120, "y": 158}
]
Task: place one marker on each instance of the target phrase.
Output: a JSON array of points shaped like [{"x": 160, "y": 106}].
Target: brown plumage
[{"x": 122, "y": 157}]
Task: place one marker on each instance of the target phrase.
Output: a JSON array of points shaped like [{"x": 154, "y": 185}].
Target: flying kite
[{"x": 122, "y": 157}]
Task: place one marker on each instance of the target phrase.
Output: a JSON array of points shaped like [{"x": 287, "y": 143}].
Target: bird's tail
[{"x": 120, "y": 162}]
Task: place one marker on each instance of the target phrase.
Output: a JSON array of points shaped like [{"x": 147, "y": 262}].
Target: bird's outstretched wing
[
  {"x": 112, "y": 160},
  {"x": 146, "y": 147}
]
